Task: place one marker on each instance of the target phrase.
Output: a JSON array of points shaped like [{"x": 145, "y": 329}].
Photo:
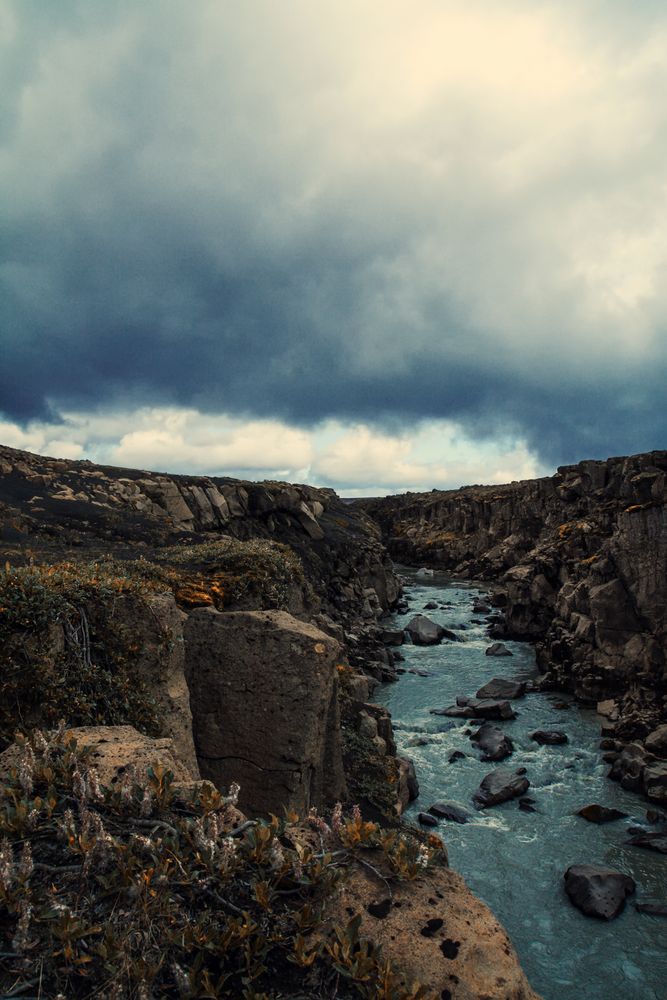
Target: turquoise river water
[{"x": 515, "y": 860}]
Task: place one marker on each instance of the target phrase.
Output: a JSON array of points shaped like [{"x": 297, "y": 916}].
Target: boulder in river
[
  {"x": 426, "y": 819},
  {"x": 455, "y": 755},
  {"x": 597, "y": 891},
  {"x": 449, "y": 810},
  {"x": 499, "y": 786},
  {"x": 493, "y": 742},
  {"x": 480, "y": 608},
  {"x": 654, "y": 909},
  {"x": 502, "y": 687},
  {"x": 430, "y": 606},
  {"x": 656, "y": 742},
  {"x": 550, "y": 737},
  {"x": 498, "y": 649},
  {"x": 392, "y": 636},
  {"x": 478, "y": 708},
  {"x": 425, "y": 632},
  {"x": 656, "y": 841},
  {"x": 600, "y": 814}
]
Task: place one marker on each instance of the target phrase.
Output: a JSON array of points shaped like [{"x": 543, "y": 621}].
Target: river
[{"x": 515, "y": 860}]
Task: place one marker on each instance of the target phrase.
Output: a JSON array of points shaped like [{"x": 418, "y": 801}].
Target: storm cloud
[{"x": 385, "y": 213}]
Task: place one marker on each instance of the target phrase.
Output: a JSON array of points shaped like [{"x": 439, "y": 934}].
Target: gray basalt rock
[
  {"x": 500, "y": 786},
  {"x": 502, "y": 687},
  {"x": 263, "y": 690},
  {"x": 493, "y": 742},
  {"x": 478, "y": 708},
  {"x": 425, "y": 632},
  {"x": 597, "y": 891},
  {"x": 498, "y": 649}
]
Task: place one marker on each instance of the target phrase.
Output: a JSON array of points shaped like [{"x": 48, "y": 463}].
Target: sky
[{"x": 369, "y": 244}]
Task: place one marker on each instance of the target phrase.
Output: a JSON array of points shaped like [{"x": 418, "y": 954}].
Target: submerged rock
[
  {"x": 550, "y": 737},
  {"x": 654, "y": 909},
  {"x": 653, "y": 841},
  {"x": 502, "y": 687},
  {"x": 449, "y": 810},
  {"x": 500, "y": 786},
  {"x": 493, "y": 742},
  {"x": 596, "y": 891}
]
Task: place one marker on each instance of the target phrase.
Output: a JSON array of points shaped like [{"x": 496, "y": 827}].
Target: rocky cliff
[{"x": 581, "y": 559}]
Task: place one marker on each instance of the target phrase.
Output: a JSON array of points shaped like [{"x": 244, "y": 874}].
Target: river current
[{"x": 515, "y": 860}]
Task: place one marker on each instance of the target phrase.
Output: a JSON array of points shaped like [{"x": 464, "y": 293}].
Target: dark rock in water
[
  {"x": 450, "y": 811},
  {"x": 455, "y": 755},
  {"x": 402, "y": 607},
  {"x": 426, "y": 819},
  {"x": 653, "y": 841},
  {"x": 476, "y": 621},
  {"x": 501, "y": 687},
  {"x": 499, "y": 786},
  {"x": 398, "y": 657},
  {"x": 482, "y": 708},
  {"x": 596, "y": 891},
  {"x": 425, "y": 632},
  {"x": 600, "y": 814},
  {"x": 418, "y": 741},
  {"x": 654, "y": 909},
  {"x": 526, "y": 805},
  {"x": 392, "y": 636},
  {"x": 653, "y": 816},
  {"x": 493, "y": 742},
  {"x": 430, "y": 606},
  {"x": 521, "y": 770},
  {"x": 480, "y": 608},
  {"x": 498, "y": 649},
  {"x": 550, "y": 737}
]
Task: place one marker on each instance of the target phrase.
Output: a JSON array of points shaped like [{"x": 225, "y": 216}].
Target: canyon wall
[{"x": 581, "y": 562}]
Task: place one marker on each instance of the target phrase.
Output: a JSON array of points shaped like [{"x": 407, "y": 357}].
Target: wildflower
[
  {"x": 356, "y": 814},
  {"x": 94, "y": 786},
  {"x": 26, "y": 863},
  {"x": 423, "y": 857},
  {"x": 79, "y": 786},
  {"x": 318, "y": 823},
  {"x": 20, "y": 941},
  {"x": 39, "y": 742},
  {"x": 181, "y": 979},
  {"x": 146, "y": 807},
  {"x": 6, "y": 863},
  {"x": 232, "y": 797},
  {"x": 276, "y": 855},
  {"x": 337, "y": 818},
  {"x": 26, "y": 770}
]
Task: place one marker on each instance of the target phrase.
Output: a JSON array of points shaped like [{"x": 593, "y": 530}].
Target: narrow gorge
[{"x": 241, "y": 632}]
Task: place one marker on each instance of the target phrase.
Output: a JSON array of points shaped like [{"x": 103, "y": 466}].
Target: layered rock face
[
  {"x": 264, "y": 696},
  {"x": 581, "y": 558},
  {"x": 59, "y": 503}
]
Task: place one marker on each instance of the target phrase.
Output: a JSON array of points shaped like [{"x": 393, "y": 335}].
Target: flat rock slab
[
  {"x": 498, "y": 649},
  {"x": 493, "y": 742},
  {"x": 502, "y": 687},
  {"x": 500, "y": 786},
  {"x": 654, "y": 909},
  {"x": 597, "y": 891},
  {"x": 600, "y": 814},
  {"x": 548, "y": 737},
  {"x": 478, "y": 708},
  {"x": 652, "y": 841},
  {"x": 450, "y": 811}
]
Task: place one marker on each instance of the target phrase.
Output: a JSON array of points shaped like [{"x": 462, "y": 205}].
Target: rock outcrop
[
  {"x": 263, "y": 689},
  {"x": 579, "y": 559}
]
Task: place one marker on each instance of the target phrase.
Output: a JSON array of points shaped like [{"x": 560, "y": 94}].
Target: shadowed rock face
[
  {"x": 263, "y": 691},
  {"x": 580, "y": 557}
]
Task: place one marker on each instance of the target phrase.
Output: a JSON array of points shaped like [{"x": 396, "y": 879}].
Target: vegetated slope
[{"x": 582, "y": 559}]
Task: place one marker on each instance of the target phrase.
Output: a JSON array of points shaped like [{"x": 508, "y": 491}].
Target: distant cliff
[{"x": 581, "y": 559}]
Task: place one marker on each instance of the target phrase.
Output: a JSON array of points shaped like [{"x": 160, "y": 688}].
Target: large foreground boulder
[
  {"x": 263, "y": 689},
  {"x": 437, "y": 932},
  {"x": 596, "y": 891}
]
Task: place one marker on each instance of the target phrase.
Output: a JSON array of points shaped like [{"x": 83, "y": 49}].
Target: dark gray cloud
[{"x": 287, "y": 212}]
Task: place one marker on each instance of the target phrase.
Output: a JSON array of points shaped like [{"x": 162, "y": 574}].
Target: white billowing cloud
[{"x": 354, "y": 459}]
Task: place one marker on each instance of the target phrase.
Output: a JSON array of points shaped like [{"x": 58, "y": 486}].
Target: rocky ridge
[{"x": 579, "y": 560}]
